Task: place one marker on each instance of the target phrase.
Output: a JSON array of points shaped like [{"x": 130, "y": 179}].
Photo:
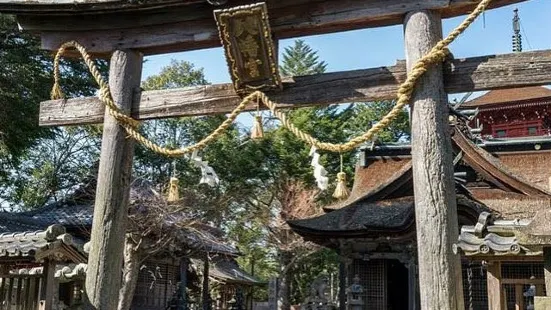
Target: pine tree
[{"x": 300, "y": 59}]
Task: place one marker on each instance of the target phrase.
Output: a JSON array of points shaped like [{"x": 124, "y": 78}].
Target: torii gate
[{"x": 125, "y": 31}]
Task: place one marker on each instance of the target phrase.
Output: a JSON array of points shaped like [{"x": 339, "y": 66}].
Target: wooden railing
[{"x": 20, "y": 292}]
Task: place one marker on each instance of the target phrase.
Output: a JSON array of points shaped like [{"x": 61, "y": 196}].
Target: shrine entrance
[
  {"x": 385, "y": 283},
  {"x": 397, "y": 285}
]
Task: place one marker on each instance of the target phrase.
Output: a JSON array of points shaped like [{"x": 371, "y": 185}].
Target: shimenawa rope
[{"x": 437, "y": 54}]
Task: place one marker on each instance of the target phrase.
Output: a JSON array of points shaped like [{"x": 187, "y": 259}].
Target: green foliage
[
  {"x": 29, "y": 165},
  {"x": 259, "y": 258},
  {"x": 367, "y": 114},
  {"x": 236, "y": 164},
  {"x": 24, "y": 82},
  {"x": 300, "y": 59},
  {"x": 177, "y": 74}
]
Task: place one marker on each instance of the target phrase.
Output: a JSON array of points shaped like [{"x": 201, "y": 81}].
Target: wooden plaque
[{"x": 250, "y": 53}]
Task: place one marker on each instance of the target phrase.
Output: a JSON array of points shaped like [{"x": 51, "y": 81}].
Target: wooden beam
[
  {"x": 49, "y": 287},
  {"x": 460, "y": 75},
  {"x": 523, "y": 281},
  {"x": 174, "y": 27},
  {"x": 493, "y": 276},
  {"x": 433, "y": 184},
  {"x": 519, "y": 297},
  {"x": 103, "y": 278}
]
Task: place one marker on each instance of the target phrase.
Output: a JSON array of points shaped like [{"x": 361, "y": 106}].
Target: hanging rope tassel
[
  {"x": 257, "y": 131},
  {"x": 173, "y": 193},
  {"x": 341, "y": 191}
]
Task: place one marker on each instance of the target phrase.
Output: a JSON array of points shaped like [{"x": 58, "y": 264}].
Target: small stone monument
[
  {"x": 354, "y": 295},
  {"x": 317, "y": 299}
]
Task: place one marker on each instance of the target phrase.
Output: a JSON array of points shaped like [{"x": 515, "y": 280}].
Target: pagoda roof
[
  {"x": 391, "y": 218},
  {"x": 537, "y": 94},
  {"x": 382, "y": 203},
  {"x": 391, "y": 176}
]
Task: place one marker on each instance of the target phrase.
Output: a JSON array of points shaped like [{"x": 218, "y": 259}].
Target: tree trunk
[
  {"x": 284, "y": 293},
  {"x": 434, "y": 188},
  {"x": 103, "y": 279},
  {"x": 130, "y": 273}
]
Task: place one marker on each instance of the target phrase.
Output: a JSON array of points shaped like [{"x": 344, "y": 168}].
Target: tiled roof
[
  {"x": 77, "y": 213},
  {"x": 509, "y": 95},
  {"x": 31, "y": 243},
  {"x": 10, "y": 222},
  {"x": 203, "y": 241},
  {"x": 63, "y": 213}
]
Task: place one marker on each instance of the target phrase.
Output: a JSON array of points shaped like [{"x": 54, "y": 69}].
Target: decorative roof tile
[
  {"x": 489, "y": 237},
  {"x": 64, "y": 273}
]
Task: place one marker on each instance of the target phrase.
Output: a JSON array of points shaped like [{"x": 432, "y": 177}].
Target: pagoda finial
[{"x": 517, "y": 38}]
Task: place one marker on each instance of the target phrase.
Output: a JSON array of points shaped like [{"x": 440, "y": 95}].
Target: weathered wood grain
[
  {"x": 103, "y": 278},
  {"x": 189, "y": 27},
  {"x": 495, "y": 292},
  {"x": 433, "y": 180},
  {"x": 460, "y": 75}
]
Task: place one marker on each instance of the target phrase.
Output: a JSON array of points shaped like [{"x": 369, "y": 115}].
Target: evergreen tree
[{"x": 300, "y": 59}]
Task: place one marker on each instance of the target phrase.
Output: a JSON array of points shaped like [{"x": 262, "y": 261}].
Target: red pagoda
[{"x": 514, "y": 112}]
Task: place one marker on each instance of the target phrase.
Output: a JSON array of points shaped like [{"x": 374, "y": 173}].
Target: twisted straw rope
[
  {"x": 437, "y": 54},
  {"x": 128, "y": 123}
]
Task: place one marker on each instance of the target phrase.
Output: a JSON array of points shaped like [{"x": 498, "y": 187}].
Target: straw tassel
[
  {"x": 257, "y": 131},
  {"x": 341, "y": 191},
  {"x": 173, "y": 194}
]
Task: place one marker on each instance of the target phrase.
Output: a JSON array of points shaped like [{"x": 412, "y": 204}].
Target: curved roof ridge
[{"x": 493, "y": 169}]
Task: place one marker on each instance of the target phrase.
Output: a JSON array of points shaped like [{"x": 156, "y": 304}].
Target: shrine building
[
  {"x": 501, "y": 183},
  {"x": 502, "y": 148}
]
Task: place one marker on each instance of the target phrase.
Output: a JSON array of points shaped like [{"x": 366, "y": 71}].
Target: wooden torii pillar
[
  {"x": 123, "y": 30},
  {"x": 433, "y": 183},
  {"x": 103, "y": 277}
]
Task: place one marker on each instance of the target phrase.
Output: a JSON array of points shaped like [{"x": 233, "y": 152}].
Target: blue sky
[{"x": 383, "y": 46}]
